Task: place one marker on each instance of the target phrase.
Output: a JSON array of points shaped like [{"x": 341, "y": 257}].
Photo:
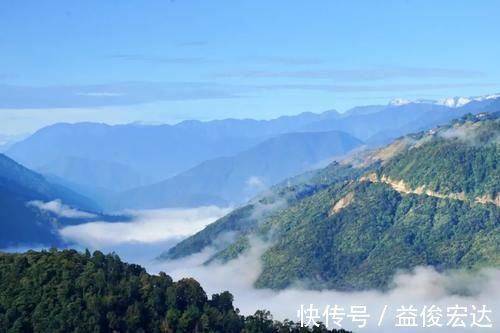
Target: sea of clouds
[{"x": 152, "y": 232}]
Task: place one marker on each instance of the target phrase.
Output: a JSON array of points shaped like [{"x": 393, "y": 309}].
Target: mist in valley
[{"x": 152, "y": 232}]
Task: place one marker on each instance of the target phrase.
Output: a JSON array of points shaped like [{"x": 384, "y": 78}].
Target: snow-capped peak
[
  {"x": 451, "y": 102},
  {"x": 399, "y": 101},
  {"x": 454, "y": 102},
  {"x": 488, "y": 97}
]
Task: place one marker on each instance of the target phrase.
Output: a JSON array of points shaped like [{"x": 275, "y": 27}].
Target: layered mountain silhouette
[
  {"x": 132, "y": 155},
  {"x": 118, "y": 165},
  {"x": 232, "y": 180}
]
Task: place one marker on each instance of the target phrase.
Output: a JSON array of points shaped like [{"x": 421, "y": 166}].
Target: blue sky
[{"x": 164, "y": 61}]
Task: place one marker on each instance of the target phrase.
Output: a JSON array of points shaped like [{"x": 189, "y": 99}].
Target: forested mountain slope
[
  {"x": 430, "y": 199},
  {"x": 273, "y": 202}
]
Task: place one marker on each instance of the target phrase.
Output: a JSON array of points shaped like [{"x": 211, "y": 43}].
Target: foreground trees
[{"x": 66, "y": 291}]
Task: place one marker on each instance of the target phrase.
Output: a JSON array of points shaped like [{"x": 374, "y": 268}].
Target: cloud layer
[
  {"x": 109, "y": 94},
  {"x": 374, "y": 74},
  {"x": 142, "y": 92},
  {"x": 61, "y": 210},
  {"x": 152, "y": 226}
]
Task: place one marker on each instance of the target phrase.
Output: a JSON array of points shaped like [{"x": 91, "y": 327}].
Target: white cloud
[
  {"x": 469, "y": 133},
  {"x": 99, "y": 94},
  {"x": 256, "y": 183},
  {"x": 466, "y": 132},
  {"x": 148, "y": 226},
  {"x": 60, "y": 209}
]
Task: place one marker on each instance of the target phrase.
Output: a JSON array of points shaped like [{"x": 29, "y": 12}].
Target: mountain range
[
  {"x": 430, "y": 198},
  {"x": 146, "y": 153},
  {"x": 119, "y": 165}
]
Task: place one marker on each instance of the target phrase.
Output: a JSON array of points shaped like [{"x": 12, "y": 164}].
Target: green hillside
[
  {"x": 429, "y": 199},
  {"x": 71, "y": 292},
  {"x": 461, "y": 158},
  {"x": 248, "y": 217}
]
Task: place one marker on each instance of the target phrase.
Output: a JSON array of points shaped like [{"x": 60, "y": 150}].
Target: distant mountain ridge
[
  {"x": 148, "y": 153},
  {"x": 108, "y": 162},
  {"x": 232, "y": 180}
]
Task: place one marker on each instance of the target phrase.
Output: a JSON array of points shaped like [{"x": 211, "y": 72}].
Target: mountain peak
[{"x": 399, "y": 101}]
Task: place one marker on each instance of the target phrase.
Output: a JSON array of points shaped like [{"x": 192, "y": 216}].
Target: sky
[{"x": 166, "y": 61}]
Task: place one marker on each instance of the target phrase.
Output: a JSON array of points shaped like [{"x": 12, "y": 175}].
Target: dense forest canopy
[{"x": 67, "y": 291}]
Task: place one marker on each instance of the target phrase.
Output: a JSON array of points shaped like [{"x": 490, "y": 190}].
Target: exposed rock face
[
  {"x": 342, "y": 203},
  {"x": 402, "y": 187}
]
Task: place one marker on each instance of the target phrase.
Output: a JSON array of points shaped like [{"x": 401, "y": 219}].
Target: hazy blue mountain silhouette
[
  {"x": 21, "y": 223},
  {"x": 102, "y": 161},
  {"x": 133, "y": 155},
  {"x": 232, "y": 180}
]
